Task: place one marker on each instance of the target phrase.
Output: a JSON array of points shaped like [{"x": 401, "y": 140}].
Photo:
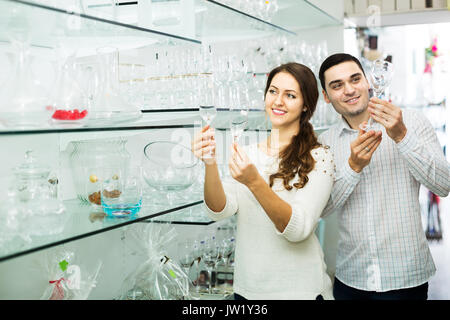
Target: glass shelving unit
[{"x": 45, "y": 27}]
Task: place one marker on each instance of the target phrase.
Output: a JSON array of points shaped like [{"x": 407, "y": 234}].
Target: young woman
[{"x": 278, "y": 191}]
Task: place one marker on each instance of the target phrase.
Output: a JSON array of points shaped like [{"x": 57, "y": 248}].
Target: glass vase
[{"x": 87, "y": 160}]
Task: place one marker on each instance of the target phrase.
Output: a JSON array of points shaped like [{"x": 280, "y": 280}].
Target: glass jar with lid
[{"x": 35, "y": 198}]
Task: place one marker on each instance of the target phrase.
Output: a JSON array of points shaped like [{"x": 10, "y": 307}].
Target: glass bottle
[{"x": 109, "y": 107}]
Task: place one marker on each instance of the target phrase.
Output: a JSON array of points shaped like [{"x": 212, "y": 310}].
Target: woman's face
[{"x": 284, "y": 102}]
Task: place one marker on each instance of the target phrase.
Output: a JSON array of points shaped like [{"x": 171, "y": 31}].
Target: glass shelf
[
  {"x": 194, "y": 215},
  {"x": 302, "y": 14},
  {"x": 47, "y": 27},
  {"x": 168, "y": 119},
  {"x": 204, "y": 20},
  {"x": 83, "y": 220},
  {"x": 157, "y": 120},
  {"x": 216, "y": 20}
]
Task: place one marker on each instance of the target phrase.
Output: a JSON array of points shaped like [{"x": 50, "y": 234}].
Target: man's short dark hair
[{"x": 333, "y": 60}]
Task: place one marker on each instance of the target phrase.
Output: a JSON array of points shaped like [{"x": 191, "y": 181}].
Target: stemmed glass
[
  {"x": 186, "y": 255},
  {"x": 210, "y": 256},
  {"x": 238, "y": 117},
  {"x": 207, "y": 108},
  {"x": 380, "y": 78}
]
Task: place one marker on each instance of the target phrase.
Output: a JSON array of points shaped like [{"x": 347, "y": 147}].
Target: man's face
[{"x": 347, "y": 89}]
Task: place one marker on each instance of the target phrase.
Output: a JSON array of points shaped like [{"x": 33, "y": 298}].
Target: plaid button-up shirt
[{"x": 382, "y": 243}]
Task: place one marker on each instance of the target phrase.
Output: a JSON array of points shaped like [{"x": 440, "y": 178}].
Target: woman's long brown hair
[{"x": 296, "y": 158}]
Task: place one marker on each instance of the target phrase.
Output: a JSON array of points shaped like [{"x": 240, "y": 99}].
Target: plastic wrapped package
[
  {"x": 68, "y": 279},
  {"x": 159, "y": 277}
]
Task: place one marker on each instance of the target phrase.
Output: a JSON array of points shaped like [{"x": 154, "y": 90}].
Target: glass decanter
[
  {"x": 70, "y": 105},
  {"x": 23, "y": 98}
]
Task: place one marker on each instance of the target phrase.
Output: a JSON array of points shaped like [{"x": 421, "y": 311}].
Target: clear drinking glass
[
  {"x": 121, "y": 194},
  {"x": 380, "y": 78}
]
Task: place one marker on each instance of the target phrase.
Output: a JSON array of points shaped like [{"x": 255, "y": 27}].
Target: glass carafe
[
  {"x": 87, "y": 160},
  {"x": 23, "y": 99},
  {"x": 109, "y": 107}
]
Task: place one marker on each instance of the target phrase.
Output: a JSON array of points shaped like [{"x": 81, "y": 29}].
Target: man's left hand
[{"x": 389, "y": 116}]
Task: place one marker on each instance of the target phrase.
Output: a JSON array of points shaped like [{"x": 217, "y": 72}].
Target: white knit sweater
[{"x": 270, "y": 265}]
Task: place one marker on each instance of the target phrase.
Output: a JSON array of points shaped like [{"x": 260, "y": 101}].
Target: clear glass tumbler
[{"x": 121, "y": 194}]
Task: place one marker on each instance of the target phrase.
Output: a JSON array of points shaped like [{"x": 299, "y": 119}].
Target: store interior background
[{"x": 411, "y": 88}]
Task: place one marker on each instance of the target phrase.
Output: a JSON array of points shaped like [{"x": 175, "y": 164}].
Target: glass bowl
[{"x": 169, "y": 166}]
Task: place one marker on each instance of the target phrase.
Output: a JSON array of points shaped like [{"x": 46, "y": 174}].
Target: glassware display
[
  {"x": 87, "y": 160},
  {"x": 168, "y": 167},
  {"x": 89, "y": 93},
  {"x": 23, "y": 98},
  {"x": 380, "y": 78},
  {"x": 109, "y": 106},
  {"x": 71, "y": 105},
  {"x": 121, "y": 194}
]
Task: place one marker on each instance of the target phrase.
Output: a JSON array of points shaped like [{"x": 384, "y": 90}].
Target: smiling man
[{"x": 382, "y": 251}]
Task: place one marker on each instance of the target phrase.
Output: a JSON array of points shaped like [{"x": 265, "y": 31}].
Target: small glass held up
[
  {"x": 207, "y": 106},
  {"x": 380, "y": 78}
]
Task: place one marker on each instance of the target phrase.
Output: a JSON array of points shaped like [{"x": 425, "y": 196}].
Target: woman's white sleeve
[
  {"x": 309, "y": 202},
  {"x": 231, "y": 205}
]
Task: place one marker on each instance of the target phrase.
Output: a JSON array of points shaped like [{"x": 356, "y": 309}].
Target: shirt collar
[{"x": 344, "y": 127}]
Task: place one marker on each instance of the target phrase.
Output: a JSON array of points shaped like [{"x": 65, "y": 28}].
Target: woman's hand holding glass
[
  {"x": 204, "y": 145},
  {"x": 241, "y": 168}
]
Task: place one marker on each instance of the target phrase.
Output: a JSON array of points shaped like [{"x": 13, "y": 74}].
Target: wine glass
[
  {"x": 186, "y": 255},
  {"x": 238, "y": 117},
  {"x": 380, "y": 78},
  {"x": 211, "y": 254},
  {"x": 207, "y": 108}
]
